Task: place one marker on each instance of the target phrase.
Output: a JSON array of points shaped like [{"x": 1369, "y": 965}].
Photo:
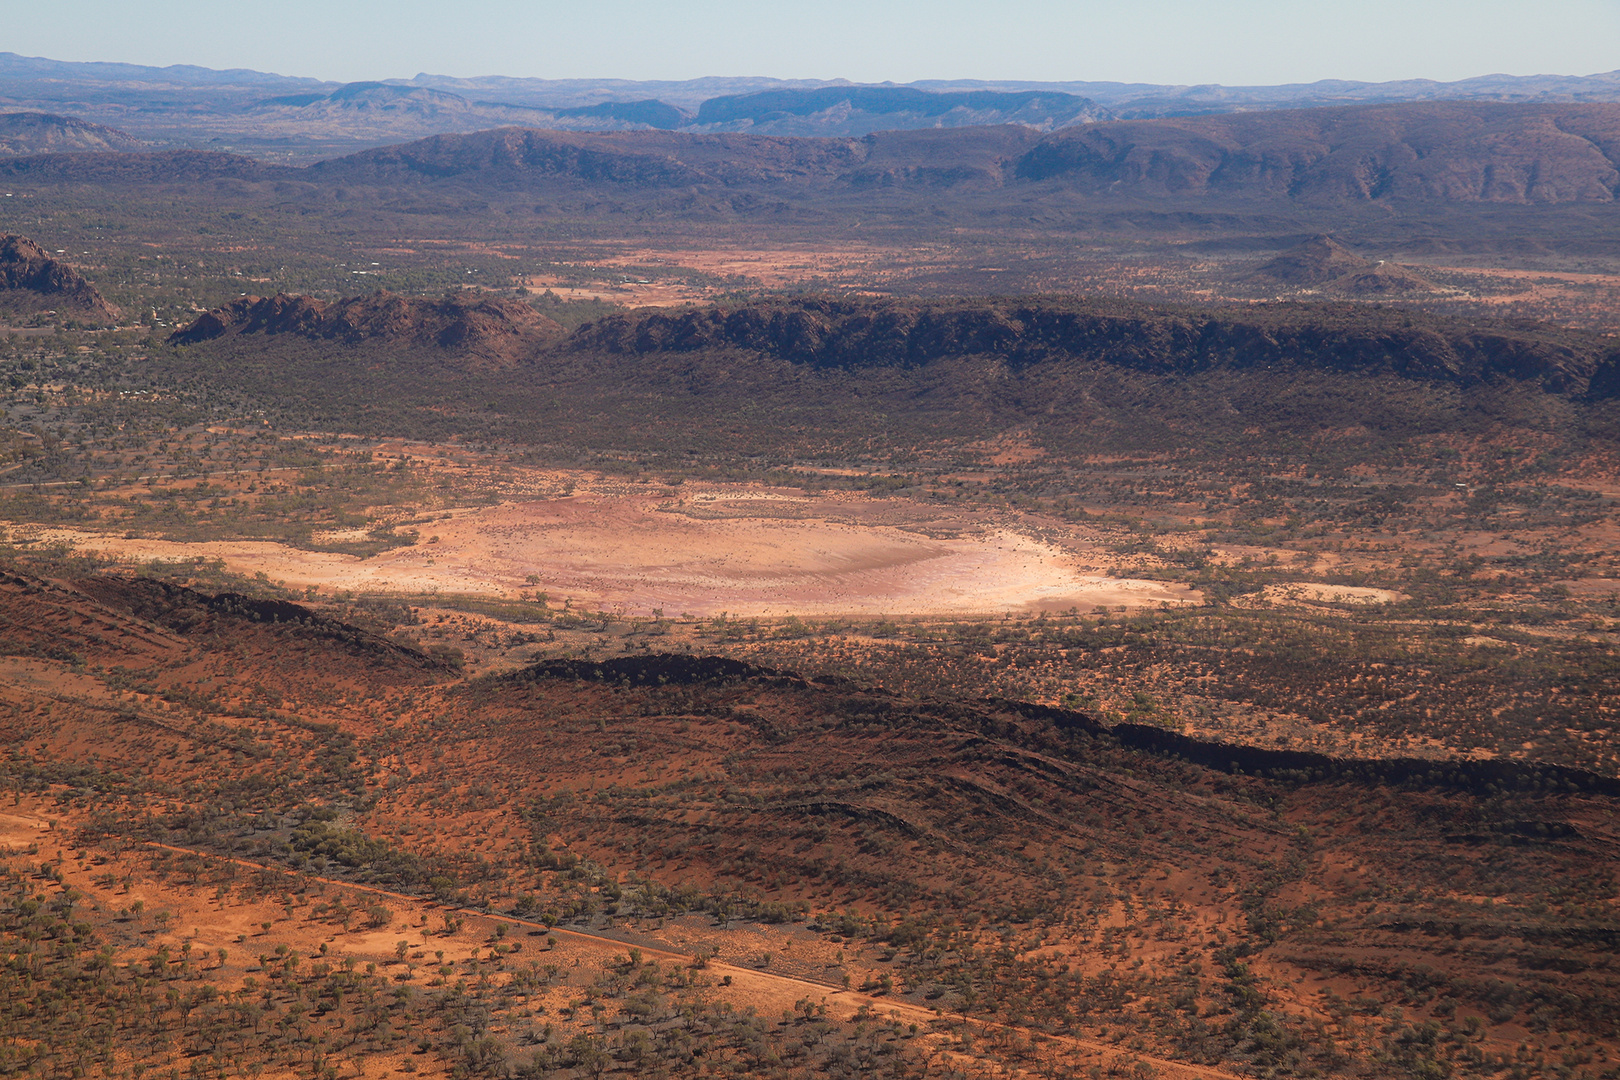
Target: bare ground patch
[{"x": 740, "y": 550}]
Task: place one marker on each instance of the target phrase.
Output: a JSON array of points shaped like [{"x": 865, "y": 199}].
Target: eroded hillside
[{"x": 1017, "y": 883}]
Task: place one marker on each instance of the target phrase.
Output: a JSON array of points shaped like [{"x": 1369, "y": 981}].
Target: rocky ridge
[
  {"x": 32, "y": 280},
  {"x": 489, "y": 332}
]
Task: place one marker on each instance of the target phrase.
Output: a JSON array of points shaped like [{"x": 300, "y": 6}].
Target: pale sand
[
  {"x": 769, "y": 556},
  {"x": 1321, "y": 593}
]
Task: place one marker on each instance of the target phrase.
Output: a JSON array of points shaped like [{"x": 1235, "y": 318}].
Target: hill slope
[
  {"x": 1447, "y": 151},
  {"x": 43, "y": 133},
  {"x": 950, "y": 859}
]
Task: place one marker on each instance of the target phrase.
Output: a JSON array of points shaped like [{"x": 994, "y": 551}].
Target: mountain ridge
[
  {"x": 1022, "y": 333},
  {"x": 1049, "y": 337},
  {"x": 1449, "y": 152},
  {"x": 298, "y": 118}
]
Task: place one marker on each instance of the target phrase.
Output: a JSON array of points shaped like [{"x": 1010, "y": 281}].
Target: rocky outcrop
[
  {"x": 488, "y": 331},
  {"x": 32, "y": 280}
]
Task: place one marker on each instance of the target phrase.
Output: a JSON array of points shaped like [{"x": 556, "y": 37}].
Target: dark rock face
[
  {"x": 492, "y": 332},
  {"x": 32, "y": 280}
]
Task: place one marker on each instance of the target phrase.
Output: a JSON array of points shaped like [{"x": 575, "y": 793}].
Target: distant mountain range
[
  {"x": 1435, "y": 152},
  {"x": 278, "y": 117},
  {"x": 831, "y": 110}
]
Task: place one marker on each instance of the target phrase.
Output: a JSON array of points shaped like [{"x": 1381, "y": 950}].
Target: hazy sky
[{"x": 1168, "y": 41}]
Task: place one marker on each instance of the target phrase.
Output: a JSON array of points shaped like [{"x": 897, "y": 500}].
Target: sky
[{"x": 1234, "y": 42}]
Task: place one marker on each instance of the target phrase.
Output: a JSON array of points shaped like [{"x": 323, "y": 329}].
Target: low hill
[
  {"x": 1324, "y": 264},
  {"x": 530, "y": 156},
  {"x": 1313, "y": 262},
  {"x": 1382, "y": 279},
  {"x": 484, "y": 331},
  {"x": 24, "y": 133},
  {"x": 32, "y": 280}
]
